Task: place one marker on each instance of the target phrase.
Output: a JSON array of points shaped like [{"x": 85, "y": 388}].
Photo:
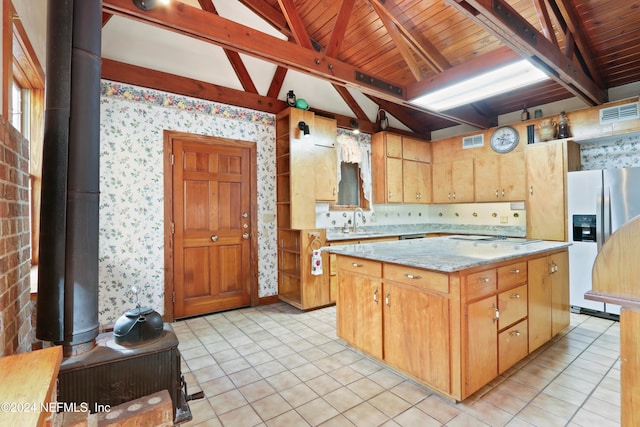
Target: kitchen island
[{"x": 452, "y": 312}]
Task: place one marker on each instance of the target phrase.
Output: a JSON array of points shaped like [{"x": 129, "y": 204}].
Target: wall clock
[{"x": 504, "y": 139}]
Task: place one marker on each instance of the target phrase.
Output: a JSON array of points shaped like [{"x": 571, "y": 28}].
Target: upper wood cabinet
[
  {"x": 305, "y": 167},
  {"x": 453, "y": 181},
  {"x": 390, "y": 155},
  {"x": 500, "y": 177},
  {"x": 323, "y": 132},
  {"x": 547, "y": 165}
]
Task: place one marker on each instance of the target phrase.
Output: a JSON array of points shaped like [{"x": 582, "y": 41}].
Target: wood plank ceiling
[{"x": 393, "y": 50}]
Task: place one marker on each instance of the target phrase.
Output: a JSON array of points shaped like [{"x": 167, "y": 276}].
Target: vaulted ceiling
[{"x": 374, "y": 54}]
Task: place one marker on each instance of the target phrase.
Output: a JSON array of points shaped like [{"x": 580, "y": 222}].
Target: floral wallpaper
[
  {"x": 131, "y": 188},
  {"x": 623, "y": 153}
]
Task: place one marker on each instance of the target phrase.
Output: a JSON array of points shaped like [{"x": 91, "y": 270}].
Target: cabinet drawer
[
  {"x": 513, "y": 346},
  {"x": 361, "y": 266},
  {"x": 417, "y": 277},
  {"x": 512, "y": 274},
  {"x": 512, "y": 305},
  {"x": 481, "y": 283}
]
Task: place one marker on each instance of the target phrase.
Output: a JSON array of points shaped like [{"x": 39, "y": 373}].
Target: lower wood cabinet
[{"x": 454, "y": 332}]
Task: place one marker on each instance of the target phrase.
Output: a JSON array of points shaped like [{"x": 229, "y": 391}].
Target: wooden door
[
  {"x": 487, "y": 178},
  {"x": 359, "y": 312},
  {"x": 462, "y": 180},
  {"x": 441, "y": 182},
  {"x": 324, "y": 150},
  {"x": 212, "y": 227},
  {"x": 539, "y": 302},
  {"x": 560, "y": 308},
  {"x": 545, "y": 191},
  {"x": 482, "y": 341},
  {"x": 513, "y": 179},
  {"x": 416, "y": 333}
]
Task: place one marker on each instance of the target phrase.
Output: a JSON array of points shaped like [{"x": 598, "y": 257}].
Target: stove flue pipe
[{"x": 68, "y": 272}]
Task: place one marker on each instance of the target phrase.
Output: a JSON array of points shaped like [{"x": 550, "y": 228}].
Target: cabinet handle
[
  {"x": 355, "y": 264},
  {"x": 497, "y": 193},
  {"x": 386, "y": 299},
  {"x": 449, "y": 195},
  {"x": 375, "y": 296},
  {"x": 390, "y": 194},
  {"x": 515, "y": 296},
  {"x": 214, "y": 238},
  {"x": 514, "y": 333},
  {"x": 483, "y": 280},
  {"x": 531, "y": 190},
  {"x": 454, "y": 195},
  {"x": 334, "y": 191},
  {"x": 503, "y": 192},
  {"x": 411, "y": 276},
  {"x": 497, "y": 314},
  {"x": 516, "y": 271}
]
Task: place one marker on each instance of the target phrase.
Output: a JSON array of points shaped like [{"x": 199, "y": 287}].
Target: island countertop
[{"x": 449, "y": 253}]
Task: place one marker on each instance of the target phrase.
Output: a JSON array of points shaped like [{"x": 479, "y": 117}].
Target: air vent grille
[
  {"x": 473, "y": 141},
  {"x": 619, "y": 113}
]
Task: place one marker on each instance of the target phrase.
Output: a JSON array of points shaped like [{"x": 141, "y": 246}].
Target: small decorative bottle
[{"x": 563, "y": 126}]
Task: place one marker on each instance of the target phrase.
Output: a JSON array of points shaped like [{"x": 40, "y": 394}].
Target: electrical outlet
[{"x": 504, "y": 219}]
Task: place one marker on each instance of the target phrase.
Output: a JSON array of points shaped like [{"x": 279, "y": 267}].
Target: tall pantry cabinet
[{"x": 305, "y": 172}]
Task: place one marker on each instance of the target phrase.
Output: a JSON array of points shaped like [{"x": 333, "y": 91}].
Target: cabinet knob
[
  {"x": 516, "y": 271},
  {"x": 245, "y": 236},
  {"x": 356, "y": 265},
  {"x": 515, "y": 296},
  {"x": 411, "y": 276},
  {"x": 483, "y": 280},
  {"x": 214, "y": 238},
  {"x": 514, "y": 333}
]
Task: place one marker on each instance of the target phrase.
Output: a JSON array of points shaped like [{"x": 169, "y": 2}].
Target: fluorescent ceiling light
[{"x": 500, "y": 80}]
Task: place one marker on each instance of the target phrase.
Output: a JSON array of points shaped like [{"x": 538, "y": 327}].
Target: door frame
[{"x": 169, "y": 136}]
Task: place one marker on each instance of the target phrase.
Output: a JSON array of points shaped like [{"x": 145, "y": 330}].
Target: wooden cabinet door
[
  {"x": 393, "y": 145},
  {"x": 416, "y": 181},
  {"x": 416, "y": 333},
  {"x": 545, "y": 191},
  {"x": 560, "y": 308},
  {"x": 482, "y": 344},
  {"x": 539, "y": 302},
  {"x": 462, "y": 180},
  {"x": 359, "y": 311},
  {"x": 513, "y": 180},
  {"x": 415, "y": 149},
  {"x": 487, "y": 178},
  {"x": 394, "y": 180},
  {"x": 325, "y": 166},
  {"x": 441, "y": 182}
]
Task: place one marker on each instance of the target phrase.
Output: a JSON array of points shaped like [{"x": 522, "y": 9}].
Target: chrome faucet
[{"x": 355, "y": 218}]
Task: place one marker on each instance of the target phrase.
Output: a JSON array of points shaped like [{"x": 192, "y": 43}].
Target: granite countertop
[
  {"x": 372, "y": 231},
  {"x": 448, "y": 253}
]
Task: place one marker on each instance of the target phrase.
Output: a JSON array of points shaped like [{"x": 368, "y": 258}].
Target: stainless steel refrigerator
[{"x": 599, "y": 202}]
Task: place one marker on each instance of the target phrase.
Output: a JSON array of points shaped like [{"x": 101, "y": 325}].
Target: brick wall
[{"x": 16, "y": 331}]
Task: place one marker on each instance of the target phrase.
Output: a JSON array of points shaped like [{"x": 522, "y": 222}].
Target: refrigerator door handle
[
  {"x": 599, "y": 212},
  {"x": 606, "y": 214}
]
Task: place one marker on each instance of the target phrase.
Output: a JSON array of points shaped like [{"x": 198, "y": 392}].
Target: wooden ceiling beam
[
  {"x": 340, "y": 28},
  {"x": 270, "y": 14},
  {"x": 423, "y": 47},
  {"x": 351, "y": 102},
  {"x": 574, "y": 25},
  {"x": 398, "y": 40},
  {"x": 501, "y": 20},
  {"x": 545, "y": 21},
  {"x": 300, "y": 33},
  {"x": 152, "y": 79},
  {"x": 234, "y": 57},
  {"x": 276, "y": 82},
  {"x": 192, "y": 22}
]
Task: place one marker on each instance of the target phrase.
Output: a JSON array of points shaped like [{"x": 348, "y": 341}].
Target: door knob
[{"x": 214, "y": 238}]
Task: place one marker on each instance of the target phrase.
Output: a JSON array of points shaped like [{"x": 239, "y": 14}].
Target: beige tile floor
[{"x": 277, "y": 366}]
